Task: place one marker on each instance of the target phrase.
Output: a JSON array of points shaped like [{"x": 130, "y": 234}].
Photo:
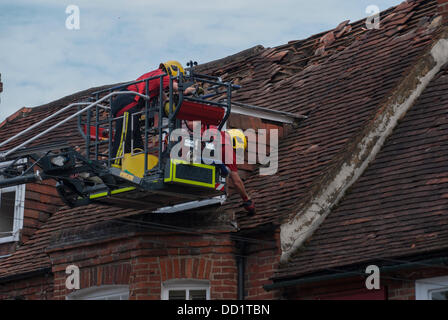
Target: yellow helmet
[
  {"x": 172, "y": 67},
  {"x": 239, "y": 140}
]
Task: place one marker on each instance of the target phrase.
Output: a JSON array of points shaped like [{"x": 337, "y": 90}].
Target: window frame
[
  {"x": 425, "y": 287},
  {"x": 99, "y": 292},
  {"x": 187, "y": 285},
  {"x": 19, "y": 209}
]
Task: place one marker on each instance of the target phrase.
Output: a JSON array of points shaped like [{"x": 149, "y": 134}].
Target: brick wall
[
  {"x": 7, "y": 248},
  {"x": 147, "y": 261},
  {"x": 41, "y": 201},
  {"x": 36, "y": 288},
  {"x": 396, "y": 286},
  {"x": 261, "y": 263},
  {"x": 326, "y": 289},
  {"x": 144, "y": 262},
  {"x": 405, "y": 290},
  {"x": 244, "y": 122}
]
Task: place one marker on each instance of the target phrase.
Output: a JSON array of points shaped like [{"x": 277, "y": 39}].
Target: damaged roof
[
  {"x": 339, "y": 84},
  {"x": 398, "y": 207},
  {"x": 338, "y": 78}
]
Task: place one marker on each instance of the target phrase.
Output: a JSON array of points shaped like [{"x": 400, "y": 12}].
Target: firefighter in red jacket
[
  {"x": 231, "y": 141},
  {"x": 127, "y": 104},
  {"x": 237, "y": 141}
]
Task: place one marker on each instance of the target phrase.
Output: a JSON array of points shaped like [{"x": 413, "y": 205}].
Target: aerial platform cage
[{"x": 148, "y": 178}]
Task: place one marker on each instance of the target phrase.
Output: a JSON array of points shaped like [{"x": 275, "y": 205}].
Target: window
[
  {"x": 432, "y": 289},
  {"x": 11, "y": 212},
  {"x": 101, "y": 293},
  {"x": 11, "y": 208},
  {"x": 186, "y": 290}
]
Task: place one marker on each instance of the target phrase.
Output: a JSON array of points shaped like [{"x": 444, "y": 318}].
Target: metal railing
[
  {"x": 156, "y": 106},
  {"x": 111, "y": 119},
  {"x": 89, "y": 113},
  {"x": 57, "y": 125},
  {"x": 37, "y": 124}
]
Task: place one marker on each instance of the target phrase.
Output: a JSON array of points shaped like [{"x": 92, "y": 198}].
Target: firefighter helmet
[
  {"x": 172, "y": 67},
  {"x": 239, "y": 140}
]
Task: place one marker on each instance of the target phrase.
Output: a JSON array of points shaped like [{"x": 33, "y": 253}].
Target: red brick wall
[
  {"x": 261, "y": 263},
  {"x": 108, "y": 263},
  {"x": 327, "y": 290},
  {"x": 41, "y": 201},
  {"x": 145, "y": 262},
  {"x": 405, "y": 290},
  {"x": 37, "y": 288},
  {"x": 397, "y": 286},
  {"x": 7, "y": 248},
  {"x": 245, "y": 122}
]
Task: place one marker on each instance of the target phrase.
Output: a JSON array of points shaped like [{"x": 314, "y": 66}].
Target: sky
[{"x": 42, "y": 60}]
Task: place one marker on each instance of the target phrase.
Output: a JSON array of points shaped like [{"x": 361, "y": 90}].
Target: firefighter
[
  {"x": 237, "y": 141},
  {"x": 231, "y": 141},
  {"x": 127, "y": 104}
]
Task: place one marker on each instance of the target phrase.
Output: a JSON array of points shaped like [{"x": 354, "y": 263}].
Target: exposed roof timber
[{"x": 267, "y": 114}]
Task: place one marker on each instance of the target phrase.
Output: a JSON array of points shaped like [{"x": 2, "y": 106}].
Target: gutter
[
  {"x": 266, "y": 114},
  {"x": 26, "y": 275},
  {"x": 348, "y": 274}
]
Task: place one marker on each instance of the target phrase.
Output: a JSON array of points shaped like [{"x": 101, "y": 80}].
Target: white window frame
[
  {"x": 100, "y": 293},
  {"x": 425, "y": 287},
  {"x": 187, "y": 285},
  {"x": 19, "y": 209}
]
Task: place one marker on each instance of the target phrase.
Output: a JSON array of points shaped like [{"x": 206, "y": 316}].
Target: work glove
[
  {"x": 249, "y": 205},
  {"x": 199, "y": 91}
]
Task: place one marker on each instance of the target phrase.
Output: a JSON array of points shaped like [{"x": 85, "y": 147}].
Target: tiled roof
[
  {"x": 32, "y": 255},
  {"x": 338, "y": 78},
  {"x": 340, "y": 90},
  {"x": 25, "y": 117},
  {"x": 398, "y": 207}
]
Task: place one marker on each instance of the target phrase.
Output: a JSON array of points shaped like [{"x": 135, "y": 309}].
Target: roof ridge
[{"x": 232, "y": 58}]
